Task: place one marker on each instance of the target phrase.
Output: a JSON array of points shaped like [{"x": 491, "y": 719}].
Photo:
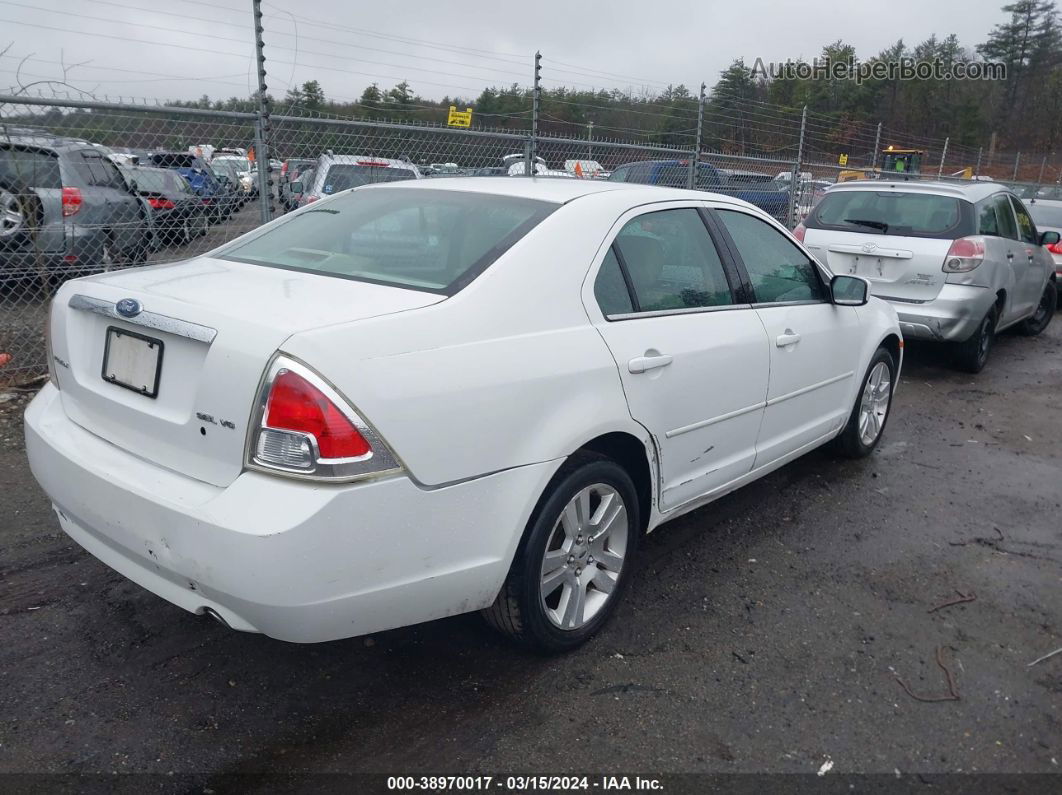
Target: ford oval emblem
[
  {"x": 128, "y": 307},
  {"x": 869, "y": 247}
]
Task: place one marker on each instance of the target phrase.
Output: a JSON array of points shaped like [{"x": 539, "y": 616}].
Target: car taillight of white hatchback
[
  {"x": 965, "y": 254},
  {"x": 303, "y": 427}
]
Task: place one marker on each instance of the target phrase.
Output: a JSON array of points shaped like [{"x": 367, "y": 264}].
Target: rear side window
[
  {"x": 779, "y": 271},
  {"x": 432, "y": 240},
  {"x": 672, "y": 262},
  {"x": 610, "y": 289},
  {"x": 893, "y": 213},
  {"x": 342, "y": 176},
  {"x": 1026, "y": 227},
  {"x": 996, "y": 218},
  {"x": 30, "y": 167}
]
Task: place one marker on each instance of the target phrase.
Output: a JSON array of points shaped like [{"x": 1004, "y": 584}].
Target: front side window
[
  {"x": 433, "y": 240},
  {"x": 1026, "y": 227},
  {"x": 671, "y": 262},
  {"x": 778, "y": 270}
]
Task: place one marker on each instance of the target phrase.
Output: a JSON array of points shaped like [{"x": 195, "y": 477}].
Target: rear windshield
[
  {"x": 433, "y": 240},
  {"x": 237, "y": 163},
  {"x": 893, "y": 213},
  {"x": 159, "y": 181},
  {"x": 1045, "y": 215},
  {"x": 175, "y": 160},
  {"x": 341, "y": 176},
  {"x": 29, "y": 167}
]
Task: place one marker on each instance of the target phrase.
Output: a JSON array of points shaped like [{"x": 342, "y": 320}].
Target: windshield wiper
[{"x": 884, "y": 227}]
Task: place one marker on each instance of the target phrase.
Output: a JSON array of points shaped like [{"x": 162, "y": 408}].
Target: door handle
[
  {"x": 1010, "y": 255},
  {"x": 790, "y": 337},
  {"x": 640, "y": 364}
]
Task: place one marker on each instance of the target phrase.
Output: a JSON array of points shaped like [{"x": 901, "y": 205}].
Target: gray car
[
  {"x": 958, "y": 261},
  {"x": 64, "y": 208}
]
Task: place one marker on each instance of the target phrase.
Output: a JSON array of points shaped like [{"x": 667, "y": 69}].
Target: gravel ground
[{"x": 765, "y": 632}]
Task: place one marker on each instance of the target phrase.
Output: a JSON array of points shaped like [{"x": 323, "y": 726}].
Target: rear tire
[
  {"x": 1045, "y": 310},
  {"x": 575, "y": 560},
  {"x": 866, "y": 423},
  {"x": 972, "y": 355}
]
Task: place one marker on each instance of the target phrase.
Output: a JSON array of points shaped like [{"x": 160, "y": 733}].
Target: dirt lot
[{"x": 765, "y": 632}]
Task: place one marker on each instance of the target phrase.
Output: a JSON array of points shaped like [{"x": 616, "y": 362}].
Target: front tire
[
  {"x": 575, "y": 559},
  {"x": 866, "y": 423},
  {"x": 972, "y": 355},
  {"x": 1045, "y": 310}
]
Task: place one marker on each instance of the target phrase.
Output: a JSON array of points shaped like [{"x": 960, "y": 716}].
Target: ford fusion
[{"x": 413, "y": 400}]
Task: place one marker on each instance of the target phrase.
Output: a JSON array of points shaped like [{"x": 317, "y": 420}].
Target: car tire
[
  {"x": 972, "y": 354},
  {"x": 1045, "y": 310},
  {"x": 555, "y": 578},
  {"x": 873, "y": 405}
]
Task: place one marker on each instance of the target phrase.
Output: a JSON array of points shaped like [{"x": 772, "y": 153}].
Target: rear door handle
[
  {"x": 640, "y": 364},
  {"x": 790, "y": 337}
]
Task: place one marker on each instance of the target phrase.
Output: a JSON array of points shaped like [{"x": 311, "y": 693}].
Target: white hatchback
[{"x": 414, "y": 400}]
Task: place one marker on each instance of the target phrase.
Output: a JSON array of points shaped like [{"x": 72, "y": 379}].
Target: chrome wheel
[
  {"x": 11, "y": 218},
  {"x": 874, "y": 405},
  {"x": 584, "y": 556}
]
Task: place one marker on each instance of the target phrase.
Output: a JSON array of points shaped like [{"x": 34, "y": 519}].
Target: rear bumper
[
  {"x": 950, "y": 317},
  {"x": 297, "y": 561}
]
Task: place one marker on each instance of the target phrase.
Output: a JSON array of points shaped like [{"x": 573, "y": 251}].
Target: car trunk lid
[{"x": 219, "y": 323}]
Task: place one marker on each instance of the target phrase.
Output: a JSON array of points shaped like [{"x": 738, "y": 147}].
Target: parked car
[
  {"x": 229, "y": 178},
  {"x": 426, "y": 398},
  {"x": 248, "y": 174},
  {"x": 334, "y": 173},
  {"x": 296, "y": 194},
  {"x": 675, "y": 174},
  {"x": 1047, "y": 215},
  {"x": 292, "y": 171},
  {"x": 176, "y": 213},
  {"x": 64, "y": 207},
  {"x": 959, "y": 261},
  {"x": 199, "y": 176}
]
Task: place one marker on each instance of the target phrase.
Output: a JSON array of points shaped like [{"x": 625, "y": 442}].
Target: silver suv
[{"x": 959, "y": 262}]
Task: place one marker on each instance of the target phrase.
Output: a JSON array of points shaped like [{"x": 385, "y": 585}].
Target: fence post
[
  {"x": 977, "y": 168},
  {"x": 261, "y": 127},
  {"x": 877, "y": 147},
  {"x": 590, "y": 140},
  {"x": 795, "y": 181},
  {"x": 1043, "y": 165},
  {"x": 1017, "y": 160},
  {"x": 535, "y": 96},
  {"x": 943, "y": 154},
  {"x": 691, "y": 179}
]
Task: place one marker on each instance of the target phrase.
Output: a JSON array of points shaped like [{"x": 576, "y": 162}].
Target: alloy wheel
[
  {"x": 11, "y": 218},
  {"x": 874, "y": 406},
  {"x": 584, "y": 556}
]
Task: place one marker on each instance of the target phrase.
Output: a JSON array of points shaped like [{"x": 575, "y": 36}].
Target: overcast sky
[{"x": 455, "y": 47}]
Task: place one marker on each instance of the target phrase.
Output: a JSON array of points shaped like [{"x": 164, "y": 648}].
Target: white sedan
[{"x": 419, "y": 399}]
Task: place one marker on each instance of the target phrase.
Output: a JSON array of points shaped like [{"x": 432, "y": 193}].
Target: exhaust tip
[{"x": 214, "y": 614}]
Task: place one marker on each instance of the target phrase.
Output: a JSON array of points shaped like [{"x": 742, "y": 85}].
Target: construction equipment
[{"x": 893, "y": 163}]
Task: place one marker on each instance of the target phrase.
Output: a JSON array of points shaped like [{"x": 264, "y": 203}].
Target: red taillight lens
[
  {"x": 799, "y": 232},
  {"x": 310, "y": 198},
  {"x": 71, "y": 201},
  {"x": 1055, "y": 248},
  {"x": 161, "y": 204},
  {"x": 965, "y": 254},
  {"x": 297, "y": 405}
]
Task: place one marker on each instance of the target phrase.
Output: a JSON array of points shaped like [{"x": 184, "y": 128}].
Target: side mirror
[
  {"x": 849, "y": 290},
  {"x": 1049, "y": 238},
  {"x": 295, "y": 187}
]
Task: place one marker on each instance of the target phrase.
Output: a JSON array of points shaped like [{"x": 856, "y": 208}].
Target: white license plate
[{"x": 132, "y": 361}]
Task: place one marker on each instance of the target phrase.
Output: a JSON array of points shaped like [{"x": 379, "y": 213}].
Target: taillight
[
  {"x": 208, "y": 201},
  {"x": 1055, "y": 248},
  {"x": 965, "y": 254},
  {"x": 303, "y": 426},
  {"x": 799, "y": 232},
  {"x": 71, "y": 201},
  {"x": 161, "y": 204},
  {"x": 310, "y": 198}
]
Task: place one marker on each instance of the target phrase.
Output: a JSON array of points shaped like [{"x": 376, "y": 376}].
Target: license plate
[{"x": 132, "y": 361}]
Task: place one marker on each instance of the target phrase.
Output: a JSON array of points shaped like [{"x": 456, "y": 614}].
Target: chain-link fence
[{"x": 93, "y": 186}]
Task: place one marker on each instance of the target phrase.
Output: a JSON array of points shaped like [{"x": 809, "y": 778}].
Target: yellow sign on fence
[
  {"x": 459, "y": 118},
  {"x": 842, "y": 160}
]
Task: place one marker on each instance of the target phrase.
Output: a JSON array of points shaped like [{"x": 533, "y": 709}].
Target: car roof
[
  {"x": 556, "y": 189},
  {"x": 971, "y": 191},
  {"x": 354, "y": 160}
]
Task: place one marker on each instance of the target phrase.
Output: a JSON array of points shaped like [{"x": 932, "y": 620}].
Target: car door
[
  {"x": 814, "y": 347},
  {"x": 1030, "y": 261},
  {"x": 693, "y": 359}
]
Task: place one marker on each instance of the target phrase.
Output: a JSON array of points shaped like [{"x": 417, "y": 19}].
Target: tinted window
[
  {"x": 94, "y": 171},
  {"x": 620, "y": 174},
  {"x": 672, "y": 262},
  {"x": 433, "y": 240},
  {"x": 29, "y": 167},
  {"x": 610, "y": 289},
  {"x": 778, "y": 270},
  {"x": 1045, "y": 215},
  {"x": 892, "y": 213},
  {"x": 1026, "y": 227},
  {"x": 996, "y": 218},
  {"x": 342, "y": 176}
]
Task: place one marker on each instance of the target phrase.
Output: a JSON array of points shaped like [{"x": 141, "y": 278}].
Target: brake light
[
  {"x": 304, "y": 427},
  {"x": 378, "y": 163},
  {"x": 161, "y": 204},
  {"x": 208, "y": 201},
  {"x": 71, "y": 201},
  {"x": 799, "y": 232},
  {"x": 284, "y": 168},
  {"x": 965, "y": 254},
  {"x": 1055, "y": 248}
]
